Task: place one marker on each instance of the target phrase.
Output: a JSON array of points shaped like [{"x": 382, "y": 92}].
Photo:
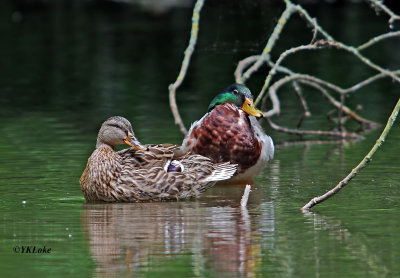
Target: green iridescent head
[{"x": 240, "y": 96}]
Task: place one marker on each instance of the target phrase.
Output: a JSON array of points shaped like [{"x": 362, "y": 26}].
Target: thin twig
[
  {"x": 316, "y": 83},
  {"x": 338, "y": 105},
  {"x": 379, "y": 4},
  {"x": 282, "y": 57},
  {"x": 318, "y": 45},
  {"x": 257, "y": 61},
  {"x": 364, "y": 162},
  {"x": 185, "y": 64},
  {"x": 251, "y": 64},
  {"x": 330, "y": 42},
  {"x": 374, "y": 40},
  {"x": 242, "y": 65},
  {"x": 340, "y": 112},
  {"x": 340, "y": 134},
  {"x": 367, "y": 81},
  {"x": 270, "y": 44},
  {"x": 345, "y": 47},
  {"x": 303, "y": 101},
  {"x": 332, "y": 86}
]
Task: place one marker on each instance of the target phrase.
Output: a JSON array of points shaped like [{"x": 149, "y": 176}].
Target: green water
[{"x": 64, "y": 69}]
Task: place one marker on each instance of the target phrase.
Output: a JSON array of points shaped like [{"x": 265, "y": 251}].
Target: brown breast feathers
[{"x": 226, "y": 135}]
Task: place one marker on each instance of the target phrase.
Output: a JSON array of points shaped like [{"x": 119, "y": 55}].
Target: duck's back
[{"x": 146, "y": 175}]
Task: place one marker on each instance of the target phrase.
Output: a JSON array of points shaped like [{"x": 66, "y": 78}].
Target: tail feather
[{"x": 222, "y": 171}]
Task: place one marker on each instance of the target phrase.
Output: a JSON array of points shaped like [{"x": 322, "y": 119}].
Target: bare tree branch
[
  {"x": 185, "y": 64},
  {"x": 340, "y": 134},
  {"x": 242, "y": 65},
  {"x": 274, "y": 69},
  {"x": 248, "y": 66},
  {"x": 316, "y": 83},
  {"x": 303, "y": 101},
  {"x": 380, "y": 6},
  {"x": 374, "y": 40},
  {"x": 364, "y": 162},
  {"x": 270, "y": 44}
]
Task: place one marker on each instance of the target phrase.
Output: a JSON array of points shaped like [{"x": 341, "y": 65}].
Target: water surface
[{"x": 66, "y": 69}]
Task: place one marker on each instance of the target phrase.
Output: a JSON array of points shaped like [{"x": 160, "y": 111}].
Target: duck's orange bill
[
  {"x": 133, "y": 142},
  {"x": 249, "y": 108}
]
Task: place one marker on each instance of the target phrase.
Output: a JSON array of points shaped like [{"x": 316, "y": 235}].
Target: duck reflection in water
[{"x": 138, "y": 237}]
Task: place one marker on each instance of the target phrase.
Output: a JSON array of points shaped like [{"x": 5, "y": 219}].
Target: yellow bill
[{"x": 249, "y": 108}]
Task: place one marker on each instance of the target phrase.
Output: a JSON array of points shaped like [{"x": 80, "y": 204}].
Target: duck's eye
[{"x": 235, "y": 92}]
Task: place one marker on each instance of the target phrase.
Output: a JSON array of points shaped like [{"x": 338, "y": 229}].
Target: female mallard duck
[
  {"x": 229, "y": 132},
  {"x": 145, "y": 173}
]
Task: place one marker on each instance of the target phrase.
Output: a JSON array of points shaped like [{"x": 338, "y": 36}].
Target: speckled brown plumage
[{"x": 134, "y": 175}]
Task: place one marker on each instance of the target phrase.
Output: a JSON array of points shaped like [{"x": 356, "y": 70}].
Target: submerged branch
[
  {"x": 245, "y": 197},
  {"x": 319, "y": 85},
  {"x": 340, "y": 106},
  {"x": 364, "y": 162},
  {"x": 320, "y": 39},
  {"x": 340, "y": 134}
]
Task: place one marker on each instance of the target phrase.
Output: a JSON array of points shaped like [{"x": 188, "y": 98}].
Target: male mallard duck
[
  {"x": 145, "y": 173},
  {"x": 229, "y": 132}
]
